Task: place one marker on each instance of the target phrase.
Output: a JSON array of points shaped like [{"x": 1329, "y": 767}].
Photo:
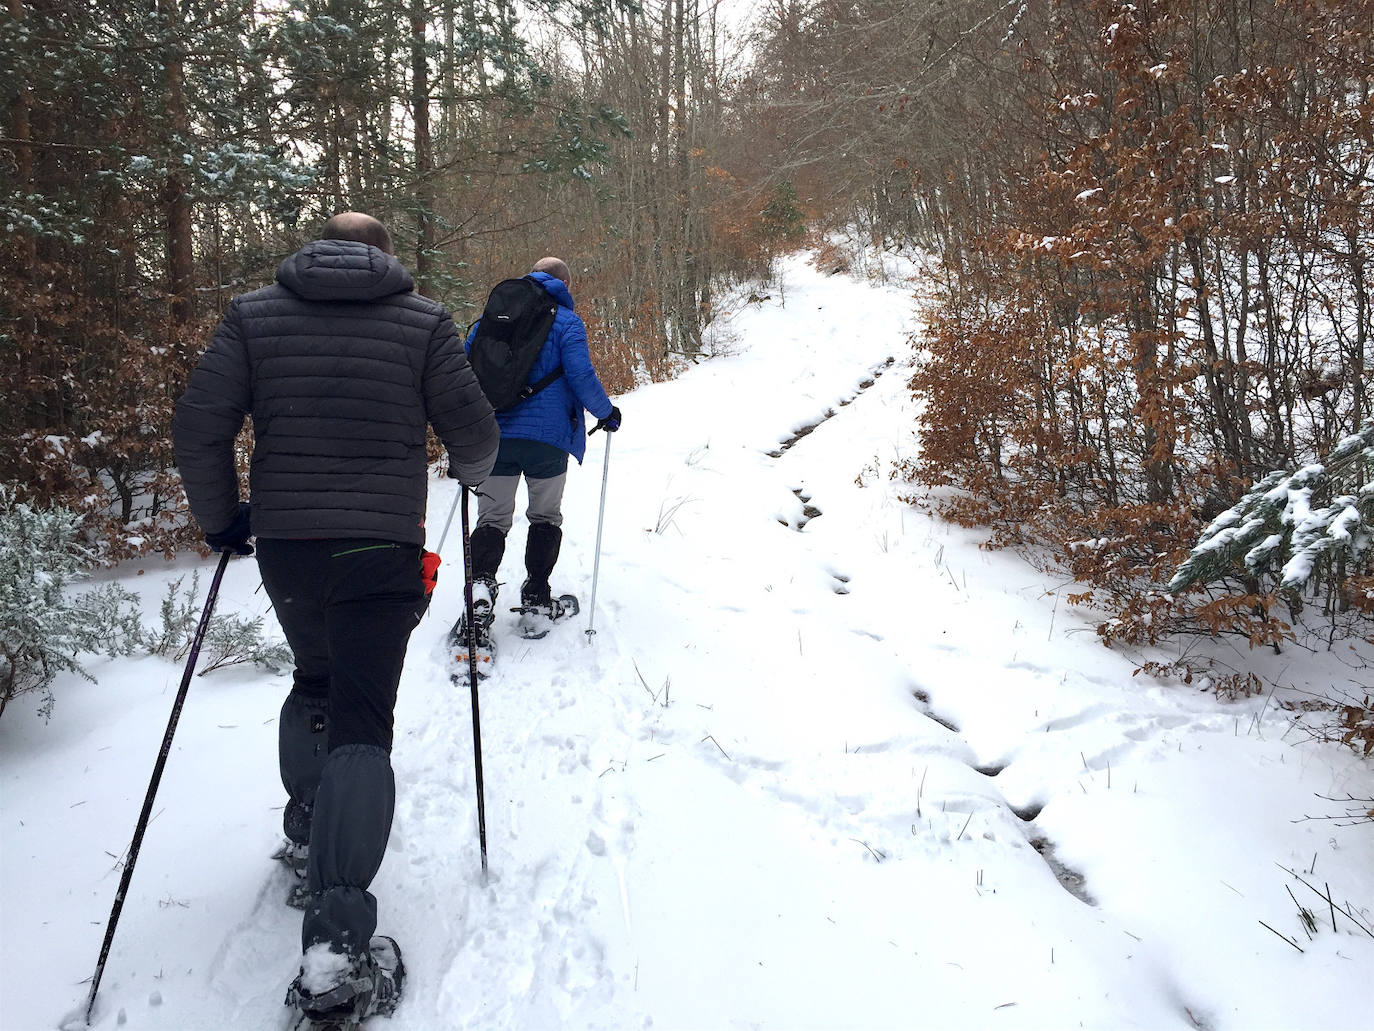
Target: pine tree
[
  {"x": 1276, "y": 532},
  {"x": 43, "y": 629}
]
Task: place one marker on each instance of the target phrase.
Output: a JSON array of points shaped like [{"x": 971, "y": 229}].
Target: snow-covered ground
[{"x": 825, "y": 764}]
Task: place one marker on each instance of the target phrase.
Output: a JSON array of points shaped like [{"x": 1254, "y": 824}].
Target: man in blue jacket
[{"x": 537, "y": 436}]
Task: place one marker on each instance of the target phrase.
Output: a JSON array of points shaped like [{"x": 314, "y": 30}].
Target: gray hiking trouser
[{"x": 496, "y": 506}]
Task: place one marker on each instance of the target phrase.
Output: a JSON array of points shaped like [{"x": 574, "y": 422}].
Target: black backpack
[{"x": 515, "y": 324}]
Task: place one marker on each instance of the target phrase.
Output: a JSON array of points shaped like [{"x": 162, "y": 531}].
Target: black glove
[
  {"x": 452, "y": 473},
  {"x": 610, "y": 424},
  {"x": 476, "y": 488},
  {"x": 234, "y": 537}
]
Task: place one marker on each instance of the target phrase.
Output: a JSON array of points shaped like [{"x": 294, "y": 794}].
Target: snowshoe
[
  {"x": 486, "y": 660},
  {"x": 484, "y": 593},
  {"x": 332, "y": 993},
  {"x": 295, "y": 857},
  {"x": 537, "y": 620},
  {"x": 298, "y": 897}
]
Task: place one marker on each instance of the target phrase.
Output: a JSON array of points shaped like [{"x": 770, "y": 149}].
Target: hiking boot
[
  {"x": 484, "y": 591},
  {"x": 535, "y": 595},
  {"x": 334, "y": 987}
]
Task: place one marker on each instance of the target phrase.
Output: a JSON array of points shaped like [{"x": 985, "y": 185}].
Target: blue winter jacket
[{"x": 555, "y": 414}]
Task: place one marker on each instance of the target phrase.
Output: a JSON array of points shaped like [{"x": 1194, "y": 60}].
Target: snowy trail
[{"x": 825, "y": 764}]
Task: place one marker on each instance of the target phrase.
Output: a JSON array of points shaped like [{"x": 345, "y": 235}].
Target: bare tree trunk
[
  {"x": 684, "y": 274},
  {"x": 176, "y": 198},
  {"x": 470, "y": 12},
  {"x": 661, "y": 122},
  {"x": 1356, "y": 372},
  {"x": 1216, "y": 370},
  {"x": 23, "y": 152},
  {"x": 382, "y": 156},
  {"x": 19, "y": 116},
  {"x": 1280, "y": 443},
  {"x": 448, "y": 90},
  {"x": 424, "y": 189}
]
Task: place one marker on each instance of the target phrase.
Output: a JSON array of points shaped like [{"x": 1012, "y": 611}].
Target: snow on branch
[{"x": 1278, "y": 521}]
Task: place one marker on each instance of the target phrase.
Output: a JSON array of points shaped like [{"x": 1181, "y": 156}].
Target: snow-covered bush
[
  {"x": 229, "y": 639},
  {"x": 42, "y": 627},
  {"x": 1287, "y": 543},
  {"x": 1280, "y": 534},
  {"x": 232, "y": 639},
  {"x": 179, "y": 614}
]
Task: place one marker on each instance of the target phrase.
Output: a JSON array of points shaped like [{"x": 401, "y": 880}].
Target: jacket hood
[
  {"x": 342, "y": 270},
  {"x": 556, "y": 287}
]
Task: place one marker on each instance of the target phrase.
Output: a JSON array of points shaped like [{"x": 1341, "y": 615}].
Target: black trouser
[{"x": 347, "y": 608}]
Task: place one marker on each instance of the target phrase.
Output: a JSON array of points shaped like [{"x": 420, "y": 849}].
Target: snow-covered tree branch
[{"x": 1278, "y": 530}]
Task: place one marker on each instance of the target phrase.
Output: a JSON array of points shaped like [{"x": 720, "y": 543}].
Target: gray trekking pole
[
  {"x": 600, "y": 519},
  {"x": 449, "y": 521},
  {"x": 162, "y": 754}
]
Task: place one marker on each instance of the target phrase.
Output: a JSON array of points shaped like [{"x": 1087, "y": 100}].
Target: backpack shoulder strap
[
  {"x": 531, "y": 389},
  {"x": 540, "y": 384}
]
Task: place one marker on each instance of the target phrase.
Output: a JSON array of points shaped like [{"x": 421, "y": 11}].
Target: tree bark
[
  {"x": 176, "y": 198},
  {"x": 424, "y": 186},
  {"x": 23, "y": 152}
]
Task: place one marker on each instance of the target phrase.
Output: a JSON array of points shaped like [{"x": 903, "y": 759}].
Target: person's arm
[
  {"x": 208, "y": 418},
  {"x": 457, "y": 409},
  {"x": 577, "y": 367}
]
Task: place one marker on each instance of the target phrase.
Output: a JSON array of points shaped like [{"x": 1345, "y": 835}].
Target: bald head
[
  {"x": 360, "y": 228},
  {"x": 555, "y": 267}
]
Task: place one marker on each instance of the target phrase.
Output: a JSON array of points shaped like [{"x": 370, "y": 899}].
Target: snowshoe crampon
[{"x": 333, "y": 993}]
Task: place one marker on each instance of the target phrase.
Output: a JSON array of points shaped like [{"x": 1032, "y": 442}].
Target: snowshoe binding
[
  {"x": 484, "y": 593},
  {"x": 537, "y": 618},
  {"x": 334, "y": 993}
]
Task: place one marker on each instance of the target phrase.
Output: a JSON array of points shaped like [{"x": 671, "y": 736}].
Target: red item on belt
[{"x": 429, "y": 570}]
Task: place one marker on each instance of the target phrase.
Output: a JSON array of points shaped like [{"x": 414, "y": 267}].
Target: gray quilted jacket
[{"x": 341, "y": 365}]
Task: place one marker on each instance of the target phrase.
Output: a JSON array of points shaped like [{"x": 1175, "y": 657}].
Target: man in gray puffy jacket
[{"x": 341, "y": 367}]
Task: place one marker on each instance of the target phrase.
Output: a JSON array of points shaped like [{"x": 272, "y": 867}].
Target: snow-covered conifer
[
  {"x": 42, "y": 627},
  {"x": 1276, "y": 529}
]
